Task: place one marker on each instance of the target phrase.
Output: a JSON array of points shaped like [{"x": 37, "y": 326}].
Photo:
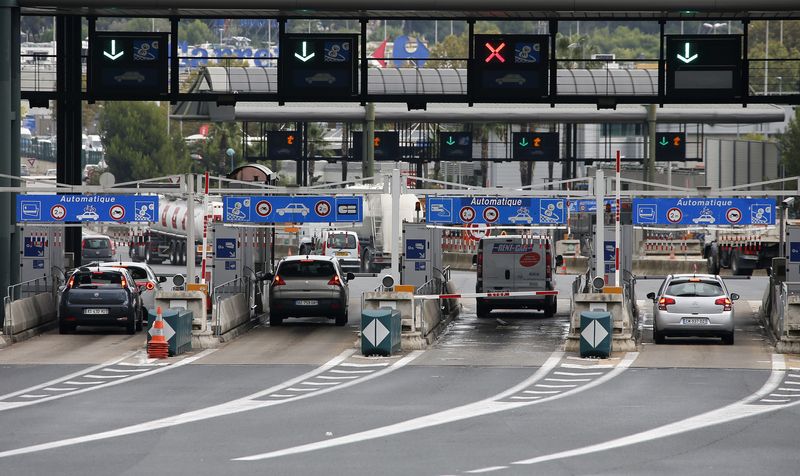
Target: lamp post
[{"x": 230, "y": 153}]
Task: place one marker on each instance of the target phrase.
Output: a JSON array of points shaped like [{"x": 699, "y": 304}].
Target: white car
[
  {"x": 88, "y": 215},
  {"x": 146, "y": 280},
  {"x": 321, "y": 78},
  {"x": 294, "y": 208}
]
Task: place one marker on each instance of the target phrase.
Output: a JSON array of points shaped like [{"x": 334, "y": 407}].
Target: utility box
[
  {"x": 596, "y": 334},
  {"x": 381, "y": 331},
  {"x": 177, "y": 329},
  {"x": 422, "y": 254}
]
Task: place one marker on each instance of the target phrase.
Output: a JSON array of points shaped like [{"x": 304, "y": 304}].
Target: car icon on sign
[
  {"x": 294, "y": 208},
  {"x": 129, "y": 76},
  {"x": 705, "y": 217},
  {"x": 522, "y": 216},
  {"x": 511, "y": 79},
  {"x": 88, "y": 215},
  {"x": 321, "y": 78}
]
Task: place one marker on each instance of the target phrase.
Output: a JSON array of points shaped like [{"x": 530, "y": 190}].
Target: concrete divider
[
  {"x": 782, "y": 315},
  {"x": 622, "y": 320},
  {"x": 231, "y": 313},
  {"x": 29, "y": 316}
]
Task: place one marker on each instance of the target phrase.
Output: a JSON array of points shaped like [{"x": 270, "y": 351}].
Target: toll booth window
[
  {"x": 96, "y": 243},
  {"x": 694, "y": 289},
  {"x": 306, "y": 269},
  {"x": 342, "y": 241}
]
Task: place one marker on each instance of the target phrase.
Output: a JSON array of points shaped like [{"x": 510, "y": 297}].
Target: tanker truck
[{"x": 165, "y": 239}]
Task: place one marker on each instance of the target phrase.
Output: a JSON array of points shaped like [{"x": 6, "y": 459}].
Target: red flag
[{"x": 380, "y": 53}]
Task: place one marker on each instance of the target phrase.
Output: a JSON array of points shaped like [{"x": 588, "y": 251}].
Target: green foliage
[
  {"x": 450, "y": 47},
  {"x": 223, "y": 136},
  {"x": 137, "y": 146},
  {"x": 789, "y": 145},
  {"x": 196, "y": 33},
  {"x": 626, "y": 43}
]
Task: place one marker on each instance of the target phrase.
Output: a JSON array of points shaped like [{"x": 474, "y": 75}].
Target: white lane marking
[
  {"x": 143, "y": 364},
  {"x": 280, "y": 395},
  {"x": 577, "y": 374},
  {"x": 348, "y": 364},
  {"x": 568, "y": 379},
  {"x": 524, "y": 398},
  {"x": 125, "y": 371},
  {"x": 792, "y": 383},
  {"x": 487, "y": 406},
  {"x": 780, "y": 395},
  {"x": 544, "y": 385},
  {"x": 735, "y": 411},
  {"x": 293, "y": 389},
  {"x": 487, "y": 470},
  {"x": 336, "y": 371},
  {"x": 32, "y": 396},
  {"x": 770, "y": 400},
  {"x": 328, "y": 377},
  {"x": 587, "y": 367},
  {"x": 544, "y": 392},
  {"x": 105, "y": 376},
  {"x": 784, "y": 389},
  {"x": 321, "y": 383},
  {"x": 101, "y": 384},
  {"x": 68, "y": 377},
  {"x": 239, "y": 405},
  {"x": 60, "y": 389}
]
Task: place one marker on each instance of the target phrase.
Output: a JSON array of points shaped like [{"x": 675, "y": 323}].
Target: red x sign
[{"x": 495, "y": 52}]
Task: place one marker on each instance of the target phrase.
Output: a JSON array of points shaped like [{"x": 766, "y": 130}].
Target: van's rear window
[
  {"x": 342, "y": 241},
  {"x": 96, "y": 243}
]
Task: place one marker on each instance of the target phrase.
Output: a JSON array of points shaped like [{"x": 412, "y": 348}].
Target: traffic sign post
[
  {"x": 670, "y": 146},
  {"x": 495, "y": 210},
  {"x": 704, "y": 211},
  {"x": 509, "y": 67},
  {"x": 455, "y": 145},
  {"x": 318, "y": 66},
  {"x": 82, "y": 208},
  {"x": 305, "y": 209},
  {"x": 128, "y": 65},
  {"x": 538, "y": 146},
  {"x": 284, "y": 145},
  {"x": 703, "y": 66},
  {"x": 386, "y": 145}
]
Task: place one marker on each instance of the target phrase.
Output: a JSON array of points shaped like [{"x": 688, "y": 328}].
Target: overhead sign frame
[
  {"x": 507, "y": 67},
  {"x": 496, "y": 210},
  {"x": 455, "y": 145},
  {"x": 535, "y": 146},
  {"x": 87, "y": 208},
  {"x": 318, "y": 66},
  {"x": 128, "y": 65},
  {"x": 704, "y": 67},
  {"x": 699, "y": 211},
  {"x": 670, "y": 146},
  {"x": 289, "y": 209}
]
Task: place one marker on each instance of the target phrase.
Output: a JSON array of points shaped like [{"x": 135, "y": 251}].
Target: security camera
[
  {"x": 788, "y": 202},
  {"x": 387, "y": 281},
  {"x": 598, "y": 283}
]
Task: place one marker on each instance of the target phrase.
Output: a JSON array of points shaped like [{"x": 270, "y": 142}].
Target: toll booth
[
  {"x": 608, "y": 249},
  {"x": 793, "y": 254},
  {"x": 41, "y": 251},
  {"x": 238, "y": 251},
  {"x": 422, "y": 254}
]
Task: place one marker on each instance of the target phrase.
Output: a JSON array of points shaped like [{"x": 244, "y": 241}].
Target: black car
[{"x": 100, "y": 296}]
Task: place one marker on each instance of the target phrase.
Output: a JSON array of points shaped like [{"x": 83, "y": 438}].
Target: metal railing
[{"x": 239, "y": 285}]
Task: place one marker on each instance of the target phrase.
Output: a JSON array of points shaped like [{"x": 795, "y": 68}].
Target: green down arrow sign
[{"x": 450, "y": 140}]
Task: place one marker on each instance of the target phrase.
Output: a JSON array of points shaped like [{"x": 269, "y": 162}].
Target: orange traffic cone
[{"x": 158, "y": 348}]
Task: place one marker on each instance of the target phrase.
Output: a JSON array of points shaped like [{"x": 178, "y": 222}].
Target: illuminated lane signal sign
[
  {"x": 509, "y": 68},
  {"x": 386, "y": 146},
  {"x": 455, "y": 145},
  {"x": 670, "y": 146},
  {"x": 284, "y": 145},
  {"x": 318, "y": 66},
  {"x": 128, "y": 65},
  {"x": 537, "y": 146},
  {"x": 703, "y": 66}
]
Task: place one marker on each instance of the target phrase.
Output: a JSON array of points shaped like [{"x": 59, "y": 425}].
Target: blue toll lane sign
[
  {"x": 496, "y": 210},
  {"x": 259, "y": 209},
  {"x": 703, "y": 211},
  {"x": 92, "y": 208},
  {"x": 226, "y": 248}
]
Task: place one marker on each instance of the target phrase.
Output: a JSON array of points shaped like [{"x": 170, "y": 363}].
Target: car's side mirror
[
  {"x": 559, "y": 260},
  {"x": 261, "y": 276},
  {"x": 734, "y": 297},
  {"x": 162, "y": 279},
  {"x": 141, "y": 287},
  {"x": 269, "y": 276},
  {"x": 350, "y": 276},
  {"x": 651, "y": 296}
]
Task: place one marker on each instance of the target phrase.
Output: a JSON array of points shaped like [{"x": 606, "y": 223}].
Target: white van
[
  {"x": 516, "y": 263},
  {"x": 344, "y": 246}
]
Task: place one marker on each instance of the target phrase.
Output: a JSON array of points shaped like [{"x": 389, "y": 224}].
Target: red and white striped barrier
[{"x": 486, "y": 295}]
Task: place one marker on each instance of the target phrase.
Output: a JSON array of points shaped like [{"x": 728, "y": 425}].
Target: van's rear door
[
  {"x": 499, "y": 256},
  {"x": 530, "y": 265}
]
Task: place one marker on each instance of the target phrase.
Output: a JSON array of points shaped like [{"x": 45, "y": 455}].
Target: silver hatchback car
[
  {"x": 309, "y": 286},
  {"x": 693, "y": 305}
]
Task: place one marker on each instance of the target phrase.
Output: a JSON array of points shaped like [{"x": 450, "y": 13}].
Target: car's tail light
[
  {"x": 334, "y": 281},
  {"x": 71, "y": 282},
  {"x": 123, "y": 283},
  {"x": 724, "y": 302},
  {"x": 149, "y": 285},
  {"x": 278, "y": 281},
  {"x": 664, "y": 302}
]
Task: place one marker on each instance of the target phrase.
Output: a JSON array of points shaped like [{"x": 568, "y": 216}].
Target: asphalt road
[{"x": 491, "y": 396}]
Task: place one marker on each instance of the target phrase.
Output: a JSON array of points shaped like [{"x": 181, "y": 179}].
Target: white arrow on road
[
  {"x": 685, "y": 57},
  {"x": 304, "y": 57},
  {"x": 114, "y": 53}
]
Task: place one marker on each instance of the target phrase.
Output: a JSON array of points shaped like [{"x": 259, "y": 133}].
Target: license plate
[
  {"x": 695, "y": 321},
  {"x": 307, "y": 302},
  {"x": 95, "y": 311},
  {"x": 342, "y": 253}
]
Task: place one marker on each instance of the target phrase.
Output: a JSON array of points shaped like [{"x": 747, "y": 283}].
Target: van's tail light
[
  {"x": 479, "y": 263},
  {"x": 278, "y": 281},
  {"x": 83, "y": 244},
  {"x": 724, "y": 302},
  {"x": 548, "y": 270},
  {"x": 335, "y": 281},
  {"x": 664, "y": 302}
]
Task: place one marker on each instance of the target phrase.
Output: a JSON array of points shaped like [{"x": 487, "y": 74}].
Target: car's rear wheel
[
  {"x": 341, "y": 318},
  {"x": 483, "y": 309},
  {"x": 130, "y": 326},
  {"x": 275, "y": 319},
  {"x": 727, "y": 339},
  {"x": 550, "y": 306},
  {"x": 658, "y": 337},
  {"x": 140, "y": 322},
  {"x": 64, "y": 328}
]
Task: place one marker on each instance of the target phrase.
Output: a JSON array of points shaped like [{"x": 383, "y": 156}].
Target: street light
[{"x": 713, "y": 26}]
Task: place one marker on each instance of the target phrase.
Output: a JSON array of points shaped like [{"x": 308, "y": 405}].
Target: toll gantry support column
[{"x": 9, "y": 140}]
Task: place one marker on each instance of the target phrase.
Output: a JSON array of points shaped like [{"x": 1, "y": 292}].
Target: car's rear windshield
[
  {"x": 96, "y": 243},
  {"x": 686, "y": 288},
  {"x": 342, "y": 241},
  {"x": 97, "y": 278},
  {"x": 137, "y": 273},
  {"x": 306, "y": 269}
]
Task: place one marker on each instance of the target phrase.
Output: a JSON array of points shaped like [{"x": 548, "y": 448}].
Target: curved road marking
[
  {"x": 744, "y": 408},
  {"x": 250, "y": 402},
  {"x": 495, "y": 404},
  {"x": 99, "y": 381}
]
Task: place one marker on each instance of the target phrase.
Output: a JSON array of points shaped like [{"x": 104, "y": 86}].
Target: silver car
[
  {"x": 309, "y": 286},
  {"x": 695, "y": 305},
  {"x": 146, "y": 280}
]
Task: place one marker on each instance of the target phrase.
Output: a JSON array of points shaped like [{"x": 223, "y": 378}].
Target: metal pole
[
  {"x": 599, "y": 229},
  {"x": 650, "y": 169},
  {"x": 394, "y": 234},
  {"x": 617, "y": 233},
  {"x": 190, "y": 231},
  {"x": 368, "y": 167}
]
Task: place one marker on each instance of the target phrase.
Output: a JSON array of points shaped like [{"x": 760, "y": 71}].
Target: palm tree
[{"x": 315, "y": 137}]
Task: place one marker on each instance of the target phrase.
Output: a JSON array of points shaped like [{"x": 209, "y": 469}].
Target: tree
[
  {"x": 223, "y": 136},
  {"x": 134, "y": 134},
  {"x": 197, "y": 32},
  {"x": 789, "y": 145},
  {"x": 575, "y": 49},
  {"x": 447, "y": 50}
]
